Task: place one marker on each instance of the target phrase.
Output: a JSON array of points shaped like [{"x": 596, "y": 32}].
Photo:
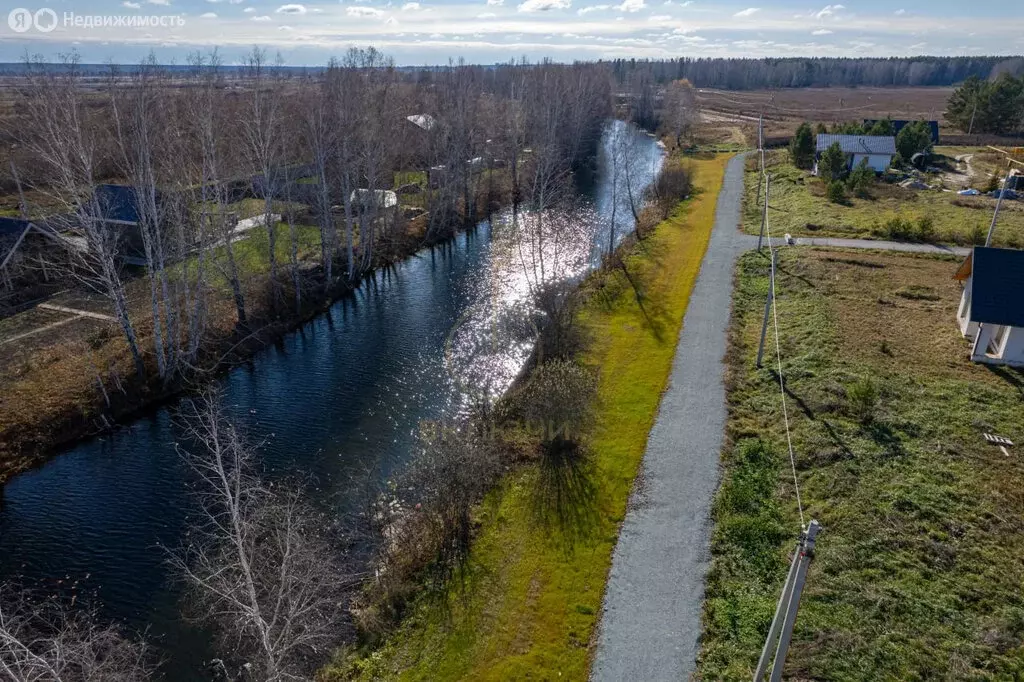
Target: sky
[{"x": 419, "y": 32}]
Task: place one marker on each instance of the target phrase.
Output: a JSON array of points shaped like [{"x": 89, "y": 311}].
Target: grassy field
[
  {"x": 798, "y": 206},
  {"x": 530, "y": 605},
  {"x": 919, "y": 567}
]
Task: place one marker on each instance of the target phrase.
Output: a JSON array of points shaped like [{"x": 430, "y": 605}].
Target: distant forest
[{"x": 802, "y": 72}]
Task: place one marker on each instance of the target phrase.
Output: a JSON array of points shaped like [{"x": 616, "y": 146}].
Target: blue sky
[{"x": 487, "y": 31}]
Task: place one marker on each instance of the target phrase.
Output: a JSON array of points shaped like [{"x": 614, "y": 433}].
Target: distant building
[
  {"x": 991, "y": 312},
  {"x": 424, "y": 121},
  {"x": 876, "y": 149},
  {"x": 897, "y": 126}
]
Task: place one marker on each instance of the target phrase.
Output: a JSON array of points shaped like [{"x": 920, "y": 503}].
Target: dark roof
[
  {"x": 997, "y": 289},
  {"x": 117, "y": 202},
  {"x": 858, "y": 144},
  {"x": 12, "y": 227}
]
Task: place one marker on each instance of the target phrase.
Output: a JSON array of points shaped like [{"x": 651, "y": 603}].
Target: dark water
[{"x": 338, "y": 398}]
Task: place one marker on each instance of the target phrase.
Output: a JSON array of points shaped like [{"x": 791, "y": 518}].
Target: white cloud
[
  {"x": 363, "y": 12},
  {"x": 748, "y": 12},
  {"x": 917, "y": 46},
  {"x": 545, "y": 5},
  {"x": 631, "y": 6},
  {"x": 131, "y": 5},
  {"x": 660, "y": 17},
  {"x": 391, "y": 21},
  {"x": 249, "y": 10},
  {"x": 486, "y": 15},
  {"x": 291, "y": 9},
  {"x": 163, "y": 3},
  {"x": 828, "y": 11},
  {"x": 900, "y": 12},
  {"x": 495, "y": 3},
  {"x": 821, "y": 32},
  {"x": 263, "y": 18},
  {"x": 208, "y": 15},
  {"x": 410, "y": 7},
  {"x": 593, "y": 8}
]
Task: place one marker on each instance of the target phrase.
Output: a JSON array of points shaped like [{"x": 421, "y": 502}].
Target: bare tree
[
  {"x": 48, "y": 641},
  {"x": 680, "y": 110},
  {"x": 261, "y": 566},
  {"x": 262, "y": 132},
  {"x": 58, "y": 128},
  {"x": 210, "y": 126}
]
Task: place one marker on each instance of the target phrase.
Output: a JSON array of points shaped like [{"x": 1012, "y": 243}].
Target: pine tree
[
  {"x": 832, "y": 164},
  {"x": 801, "y": 148}
]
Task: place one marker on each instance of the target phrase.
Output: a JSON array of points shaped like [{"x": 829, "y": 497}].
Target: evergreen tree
[
  {"x": 861, "y": 179},
  {"x": 913, "y": 138},
  {"x": 883, "y": 128},
  {"x": 993, "y": 107},
  {"x": 832, "y": 164},
  {"x": 801, "y": 148}
]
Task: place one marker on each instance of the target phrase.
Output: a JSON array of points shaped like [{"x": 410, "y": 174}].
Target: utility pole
[
  {"x": 764, "y": 209},
  {"x": 999, "y": 201},
  {"x": 767, "y": 308},
  {"x": 781, "y": 631}
]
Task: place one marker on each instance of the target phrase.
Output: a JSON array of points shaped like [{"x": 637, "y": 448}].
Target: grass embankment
[
  {"x": 919, "y": 567},
  {"x": 798, "y": 206},
  {"x": 533, "y": 596}
]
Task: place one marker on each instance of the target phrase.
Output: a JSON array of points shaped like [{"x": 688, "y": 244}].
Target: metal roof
[
  {"x": 997, "y": 285},
  {"x": 858, "y": 144}
]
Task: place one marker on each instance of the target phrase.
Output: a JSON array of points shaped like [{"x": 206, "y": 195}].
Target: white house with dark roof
[
  {"x": 991, "y": 312},
  {"x": 876, "y": 149}
]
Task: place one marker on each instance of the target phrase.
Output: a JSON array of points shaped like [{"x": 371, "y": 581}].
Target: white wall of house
[
  {"x": 1008, "y": 350},
  {"x": 878, "y": 162},
  {"x": 963, "y": 314}
]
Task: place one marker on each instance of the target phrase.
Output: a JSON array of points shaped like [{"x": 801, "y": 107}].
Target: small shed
[
  {"x": 991, "y": 312},
  {"x": 876, "y": 149}
]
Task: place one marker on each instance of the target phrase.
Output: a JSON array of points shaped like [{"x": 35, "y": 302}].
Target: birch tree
[
  {"x": 262, "y": 567},
  {"x": 57, "y": 127}
]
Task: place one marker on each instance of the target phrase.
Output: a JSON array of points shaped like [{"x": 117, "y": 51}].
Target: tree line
[{"x": 803, "y": 72}]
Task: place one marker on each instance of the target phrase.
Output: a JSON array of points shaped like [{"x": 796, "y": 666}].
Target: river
[{"x": 338, "y": 398}]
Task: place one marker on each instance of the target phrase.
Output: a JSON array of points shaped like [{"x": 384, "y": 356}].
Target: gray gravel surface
[{"x": 650, "y": 621}]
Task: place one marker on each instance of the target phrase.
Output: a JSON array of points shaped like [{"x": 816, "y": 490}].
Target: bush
[
  {"x": 861, "y": 179},
  {"x": 672, "y": 186},
  {"x": 836, "y": 192},
  {"x": 925, "y": 229},
  {"x": 978, "y": 235},
  {"x": 862, "y": 399},
  {"x": 899, "y": 228},
  {"x": 558, "y": 400}
]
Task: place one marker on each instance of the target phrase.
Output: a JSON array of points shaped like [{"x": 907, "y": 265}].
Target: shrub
[
  {"x": 978, "y": 235},
  {"x": 836, "y": 192},
  {"x": 925, "y": 229},
  {"x": 899, "y": 228},
  {"x": 674, "y": 184},
  {"x": 862, "y": 399},
  {"x": 861, "y": 179}
]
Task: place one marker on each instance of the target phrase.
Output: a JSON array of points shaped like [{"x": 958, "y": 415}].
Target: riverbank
[
  {"x": 83, "y": 384},
  {"x": 532, "y": 595},
  {"x": 917, "y": 571}
]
